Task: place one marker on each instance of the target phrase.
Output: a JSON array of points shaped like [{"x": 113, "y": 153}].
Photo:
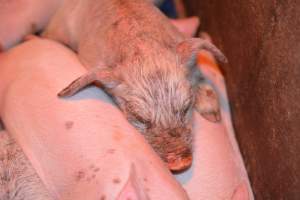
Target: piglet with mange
[{"x": 133, "y": 51}]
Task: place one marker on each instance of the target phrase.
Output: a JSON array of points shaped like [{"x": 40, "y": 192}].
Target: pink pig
[
  {"x": 95, "y": 154},
  {"x": 217, "y": 171}
]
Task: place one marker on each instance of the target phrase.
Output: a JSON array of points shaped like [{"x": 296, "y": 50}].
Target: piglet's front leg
[{"x": 95, "y": 75}]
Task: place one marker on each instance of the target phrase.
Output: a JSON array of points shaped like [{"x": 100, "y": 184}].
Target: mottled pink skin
[
  {"x": 21, "y": 17},
  {"x": 78, "y": 155}
]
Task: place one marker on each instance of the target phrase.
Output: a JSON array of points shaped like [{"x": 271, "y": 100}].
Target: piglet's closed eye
[{"x": 188, "y": 49}]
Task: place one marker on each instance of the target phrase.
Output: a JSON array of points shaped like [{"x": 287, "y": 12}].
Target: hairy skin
[
  {"x": 18, "y": 179},
  {"x": 133, "y": 51}
]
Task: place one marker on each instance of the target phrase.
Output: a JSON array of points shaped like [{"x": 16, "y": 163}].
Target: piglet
[
  {"x": 133, "y": 52},
  {"x": 19, "y": 18},
  {"x": 82, "y": 148}
]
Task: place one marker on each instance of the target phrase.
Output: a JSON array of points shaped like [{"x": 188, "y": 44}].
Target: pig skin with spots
[
  {"x": 204, "y": 182},
  {"x": 77, "y": 155}
]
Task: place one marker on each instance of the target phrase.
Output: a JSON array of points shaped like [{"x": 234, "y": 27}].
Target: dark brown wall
[{"x": 261, "y": 39}]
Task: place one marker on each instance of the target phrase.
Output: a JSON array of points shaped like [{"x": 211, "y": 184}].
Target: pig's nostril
[
  {"x": 180, "y": 163},
  {"x": 174, "y": 134}
]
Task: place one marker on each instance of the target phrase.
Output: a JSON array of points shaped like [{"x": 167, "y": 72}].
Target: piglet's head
[
  {"x": 158, "y": 102},
  {"x": 158, "y": 96}
]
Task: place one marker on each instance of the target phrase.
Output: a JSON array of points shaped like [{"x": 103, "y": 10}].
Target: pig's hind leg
[{"x": 18, "y": 179}]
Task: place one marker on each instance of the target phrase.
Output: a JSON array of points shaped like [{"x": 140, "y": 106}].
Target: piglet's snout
[
  {"x": 173, "y": 146},
  {"x": 179, "y": 156},
  {"x": 179, "y": 163}
]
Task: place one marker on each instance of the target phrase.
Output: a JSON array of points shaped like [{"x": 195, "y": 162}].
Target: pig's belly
[{"x": 21, "y": 17}]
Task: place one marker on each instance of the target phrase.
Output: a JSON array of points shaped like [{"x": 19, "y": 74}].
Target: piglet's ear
[
  {"x": 207, "y": 103},
  {"x": 188, "y": 49}
]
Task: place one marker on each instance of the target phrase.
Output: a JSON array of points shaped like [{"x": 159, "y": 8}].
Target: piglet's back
[{"x": 111, "y": 30}]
